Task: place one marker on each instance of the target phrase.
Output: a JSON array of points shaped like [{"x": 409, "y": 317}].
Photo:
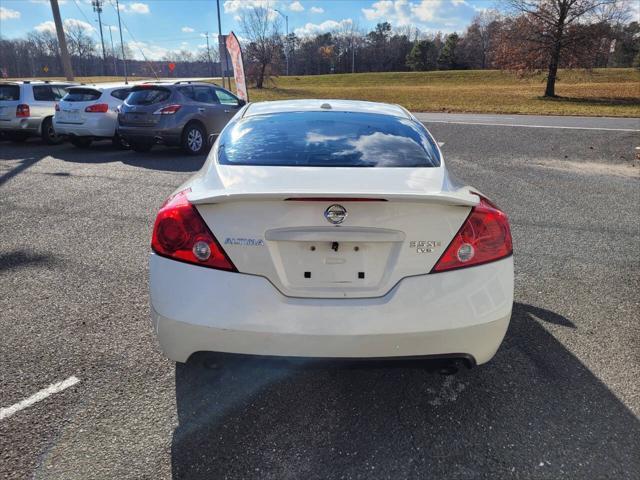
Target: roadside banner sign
[
  {"x": 172, "y": 67},
  {"x": 235, "y": 52}
]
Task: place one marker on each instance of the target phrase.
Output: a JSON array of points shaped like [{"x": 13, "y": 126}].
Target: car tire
[
  {"x": 194, "y": 139},
  {"x": 141, "y": 147},
  {"x": 120, "y": 142},
  {"x": 17, "y": 137},
  {"x": 48, "y": 133},
  {"x": 81, "y": 142}
]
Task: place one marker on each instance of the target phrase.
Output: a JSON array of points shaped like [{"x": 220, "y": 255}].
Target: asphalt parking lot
[{"x": 560, "y": 400}]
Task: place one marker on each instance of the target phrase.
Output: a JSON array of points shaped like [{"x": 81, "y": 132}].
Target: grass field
[
  {"x": 601, "y": 92},
  {"x": 606, "y": 92}
]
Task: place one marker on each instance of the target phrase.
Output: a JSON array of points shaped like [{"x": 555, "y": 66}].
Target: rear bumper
[
  {"x": 102, "y": 127},
  {"x": 29, "y": 125},
  {"x": 460, "y": 313},
  {"x": 151, "y": 134}
]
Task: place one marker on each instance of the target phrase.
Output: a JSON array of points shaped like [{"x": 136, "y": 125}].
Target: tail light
[
  {"x": 181, "y": 234},
  {"x": 23, "y": 111},
  {"x": 168, "y": 110},
  {"x": 484, "y": 237},
  {"x": 97, "y": 108},
  {"x": 57, "y": 107}
]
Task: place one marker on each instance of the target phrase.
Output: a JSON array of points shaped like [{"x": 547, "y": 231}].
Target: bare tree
[
  {"x": 261, "y": 27},
  {"x": 551, "y": 22}
]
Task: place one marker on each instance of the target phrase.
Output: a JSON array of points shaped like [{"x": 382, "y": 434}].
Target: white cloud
[
  {"x": 136, "y": 7},
  {"x": 327, "y": 26},
  {"x": 152, "y": 52},
  {"x": 74, "y": 22},
  {"x": 187, "y": 29},
  {"x": 47, "y": 26},
  {"x": 8, "y": 14},
  {"x": 403, "y": 12},
  {"x": 317, "y": 10},
  {"x": 296, "y": 6},
  {"x": 459, "y": 2},
  {"x": 234, "y": 6}
]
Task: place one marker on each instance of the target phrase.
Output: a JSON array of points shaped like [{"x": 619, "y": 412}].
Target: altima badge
[{"x": 335, "y": 214}]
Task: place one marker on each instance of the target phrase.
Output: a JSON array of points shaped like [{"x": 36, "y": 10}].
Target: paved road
[
  {"x": 535, "y": 121},
  {"x": 560, "y": 400}
]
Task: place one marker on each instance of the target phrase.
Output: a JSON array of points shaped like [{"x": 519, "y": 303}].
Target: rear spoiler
[{"x": 462, "y": 197}]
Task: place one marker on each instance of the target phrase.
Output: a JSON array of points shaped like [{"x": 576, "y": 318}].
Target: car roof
[
  {"x": 166, "y": 83},
  {"x": 103, "y": 86},
  {"x": 36, "y": 82},
  {"x": 323, "y": 105}
]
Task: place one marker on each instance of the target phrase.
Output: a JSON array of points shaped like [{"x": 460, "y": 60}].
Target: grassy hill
[{"x": 600, "y": 92}]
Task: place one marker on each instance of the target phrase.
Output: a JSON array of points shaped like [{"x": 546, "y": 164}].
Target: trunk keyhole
[{"x": 334, "y": 246}]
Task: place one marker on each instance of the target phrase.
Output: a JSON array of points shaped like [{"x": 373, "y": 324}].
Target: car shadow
[
  {"x": 534, "y": 411},
  {"x": 160, "y": 158}
]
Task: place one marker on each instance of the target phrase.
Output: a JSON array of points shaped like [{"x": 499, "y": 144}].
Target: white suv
[
  {"x": 27, "y": 108},
  {"x": 89, "y": 112}
]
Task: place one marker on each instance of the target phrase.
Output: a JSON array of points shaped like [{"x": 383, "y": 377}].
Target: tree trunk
[
  {"x": 260, "y": 79},
  {"x": 550, "y": 91}
]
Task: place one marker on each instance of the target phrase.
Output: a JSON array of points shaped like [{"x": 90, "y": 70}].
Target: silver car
[
  {"x": 186, "y": 114},
  {"x": 27, "y": 109}
]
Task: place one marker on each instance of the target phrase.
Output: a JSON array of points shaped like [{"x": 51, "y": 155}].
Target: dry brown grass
[
  {"x": 611, "y": 92},
  {"x": 607, "y": 92}
]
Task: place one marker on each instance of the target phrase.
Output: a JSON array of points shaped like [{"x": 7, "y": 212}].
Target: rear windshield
[
  {"x": 82, "y": 95},
  {"x": 148, "y": 96},
  {"x": 9, "y": 92},
  {"x": 121, "y": 93},
  {"x": 327, "y": 139},
  {"x": 48, "y": 93}
]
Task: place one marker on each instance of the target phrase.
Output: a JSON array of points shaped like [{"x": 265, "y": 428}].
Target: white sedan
[
  {"x": 330, "y": 228},
  {"x": 89, "y": 112}
]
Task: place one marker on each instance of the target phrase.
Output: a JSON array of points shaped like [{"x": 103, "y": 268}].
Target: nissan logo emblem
[{"x": 335, "y": 214}]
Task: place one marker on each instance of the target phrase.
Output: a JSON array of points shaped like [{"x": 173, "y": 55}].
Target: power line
[
  {"x": 75, "y": 2},
  {"x": 134, "y": 39}
]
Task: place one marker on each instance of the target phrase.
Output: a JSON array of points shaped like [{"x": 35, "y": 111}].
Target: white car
[
  {"x": 27, "y": 108},
  {"x": 89, "y": 112},
  {"x": 329, "y": 228}
]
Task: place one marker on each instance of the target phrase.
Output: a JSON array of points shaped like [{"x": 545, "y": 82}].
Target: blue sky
[{"x": 162, "y": 26}]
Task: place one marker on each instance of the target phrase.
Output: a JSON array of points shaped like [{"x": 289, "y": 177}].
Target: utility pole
[
  {"x": 222, "y": 47},
  {"x": 206, "y": 34},
  {"x": 113, "y": 50},
  {"x": 287, "y": 46},
  {"x": 62, "y": 41},
  {"x": 124, "y": 59},
  {"x": 97, "y": 7},
  {"x": 353, "y": 54}
]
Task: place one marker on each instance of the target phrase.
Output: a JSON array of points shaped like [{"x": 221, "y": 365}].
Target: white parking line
[
  {"x": 36, "y": 397},
  {"x": 531, "y": 126}
]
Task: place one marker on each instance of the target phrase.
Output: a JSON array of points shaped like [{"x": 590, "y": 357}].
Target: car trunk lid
[
  {"x": 139, "y": 107},
  {"x": 71, "y": 109},
  {"x": 332, "y": 232}
]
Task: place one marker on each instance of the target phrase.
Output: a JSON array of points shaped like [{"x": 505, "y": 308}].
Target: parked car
[
  {"x": 324, "y": 228},
  {"x": 27, "y": 109},
  {"x": 89, "y": 112},
  {"x": 183, "y": 114}
]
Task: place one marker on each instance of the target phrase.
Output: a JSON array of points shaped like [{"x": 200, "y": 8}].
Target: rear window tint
[
  {"x": 121, "y": 93},
  {"x": 148, "y": 96},
  {"x": 327, "y": 139},
  {"x": 82, "y": 95},
  {"x": 48, "y": 93},
  {"x": 9, "y": 92}
]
